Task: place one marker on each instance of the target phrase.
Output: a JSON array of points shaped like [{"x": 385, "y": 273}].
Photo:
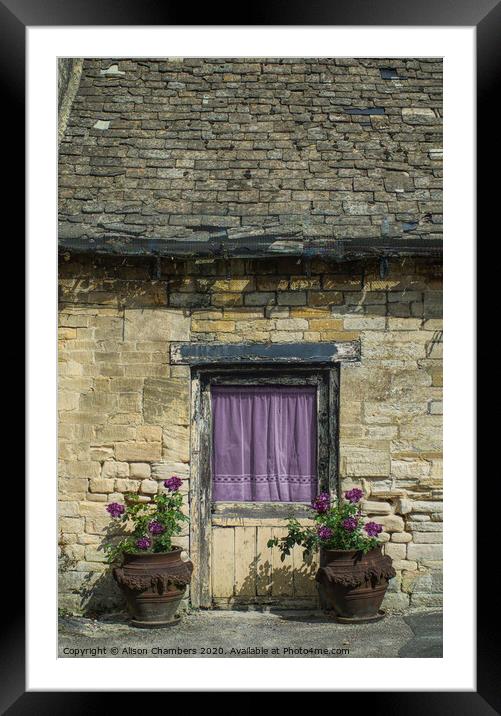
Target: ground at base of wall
[{"x": 253, "y": 634}]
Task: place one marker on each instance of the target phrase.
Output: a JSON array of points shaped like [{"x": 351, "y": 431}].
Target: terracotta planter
[
  {"x": 352, "y": 584},
  {"x": 153, "y": 585}
]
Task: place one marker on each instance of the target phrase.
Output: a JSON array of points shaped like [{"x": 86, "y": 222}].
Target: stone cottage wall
[{"x": 125, "y": 412}]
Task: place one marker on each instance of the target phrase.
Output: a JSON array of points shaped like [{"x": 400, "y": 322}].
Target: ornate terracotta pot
[
  {"x": 352, "y": 584},
  {"x": 153, "y": 585}
]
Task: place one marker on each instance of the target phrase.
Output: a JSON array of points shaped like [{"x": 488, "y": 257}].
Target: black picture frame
[{"x": 485, "y": 15}]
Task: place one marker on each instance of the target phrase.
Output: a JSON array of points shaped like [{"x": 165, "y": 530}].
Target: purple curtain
[{"x": 264, "y": 443}]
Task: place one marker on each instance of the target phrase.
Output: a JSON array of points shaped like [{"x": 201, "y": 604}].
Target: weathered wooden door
[
  {"x": 244, "y": 570},
  {"x": 236, "y": 565}
]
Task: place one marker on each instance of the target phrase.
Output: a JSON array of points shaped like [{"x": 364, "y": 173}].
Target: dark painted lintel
[{"x": 263, "y": 353}]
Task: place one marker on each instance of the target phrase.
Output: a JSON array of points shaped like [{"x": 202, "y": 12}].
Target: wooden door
[
  {"x": 233, "y": 564},
  {"x": 244, "y": 570}
]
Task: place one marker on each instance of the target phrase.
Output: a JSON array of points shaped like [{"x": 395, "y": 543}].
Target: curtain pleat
[{"x": 264, "y": 443}]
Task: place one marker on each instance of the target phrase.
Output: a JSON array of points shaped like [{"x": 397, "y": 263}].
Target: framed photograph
[{"x": 248, "y": 441}]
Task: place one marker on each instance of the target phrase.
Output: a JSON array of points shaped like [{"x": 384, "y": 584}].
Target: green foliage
[
  {"x": 338, "y": 525},
  {"x": 158, "y": 521},
  {"x": 305, "y": 536}
]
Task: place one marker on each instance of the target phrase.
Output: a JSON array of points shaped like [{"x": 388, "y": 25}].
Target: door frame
[{"x": 201, "y": 506}]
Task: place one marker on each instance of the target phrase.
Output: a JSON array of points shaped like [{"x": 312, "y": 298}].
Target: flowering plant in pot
[
  {"x": 353, "y": 574},
  {"x": 149, "y": 570}
]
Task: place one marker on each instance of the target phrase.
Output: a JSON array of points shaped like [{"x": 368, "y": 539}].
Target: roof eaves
[{"x": 252, "y": 246}]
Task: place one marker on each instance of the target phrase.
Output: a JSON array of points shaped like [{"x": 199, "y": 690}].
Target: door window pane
[{"x": 264, "y": 443}]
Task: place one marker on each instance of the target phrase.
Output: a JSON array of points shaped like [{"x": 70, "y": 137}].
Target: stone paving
[{"x": 254, "y": 634}]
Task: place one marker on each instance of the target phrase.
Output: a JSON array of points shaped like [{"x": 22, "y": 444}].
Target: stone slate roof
[{"x": 254, "y": 156}]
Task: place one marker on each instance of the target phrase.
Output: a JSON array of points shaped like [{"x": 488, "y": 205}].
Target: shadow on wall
[
  {"x": 265, "y": 580},
  {"x": 101, "y": 595},
  {"x": 99, "y": 592},
  {"x": 104, "y": 288},
  {"x": 264, "y": 583}
]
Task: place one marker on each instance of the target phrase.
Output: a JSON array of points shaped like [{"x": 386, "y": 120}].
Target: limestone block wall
[{"x": 124, "y": 411}]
